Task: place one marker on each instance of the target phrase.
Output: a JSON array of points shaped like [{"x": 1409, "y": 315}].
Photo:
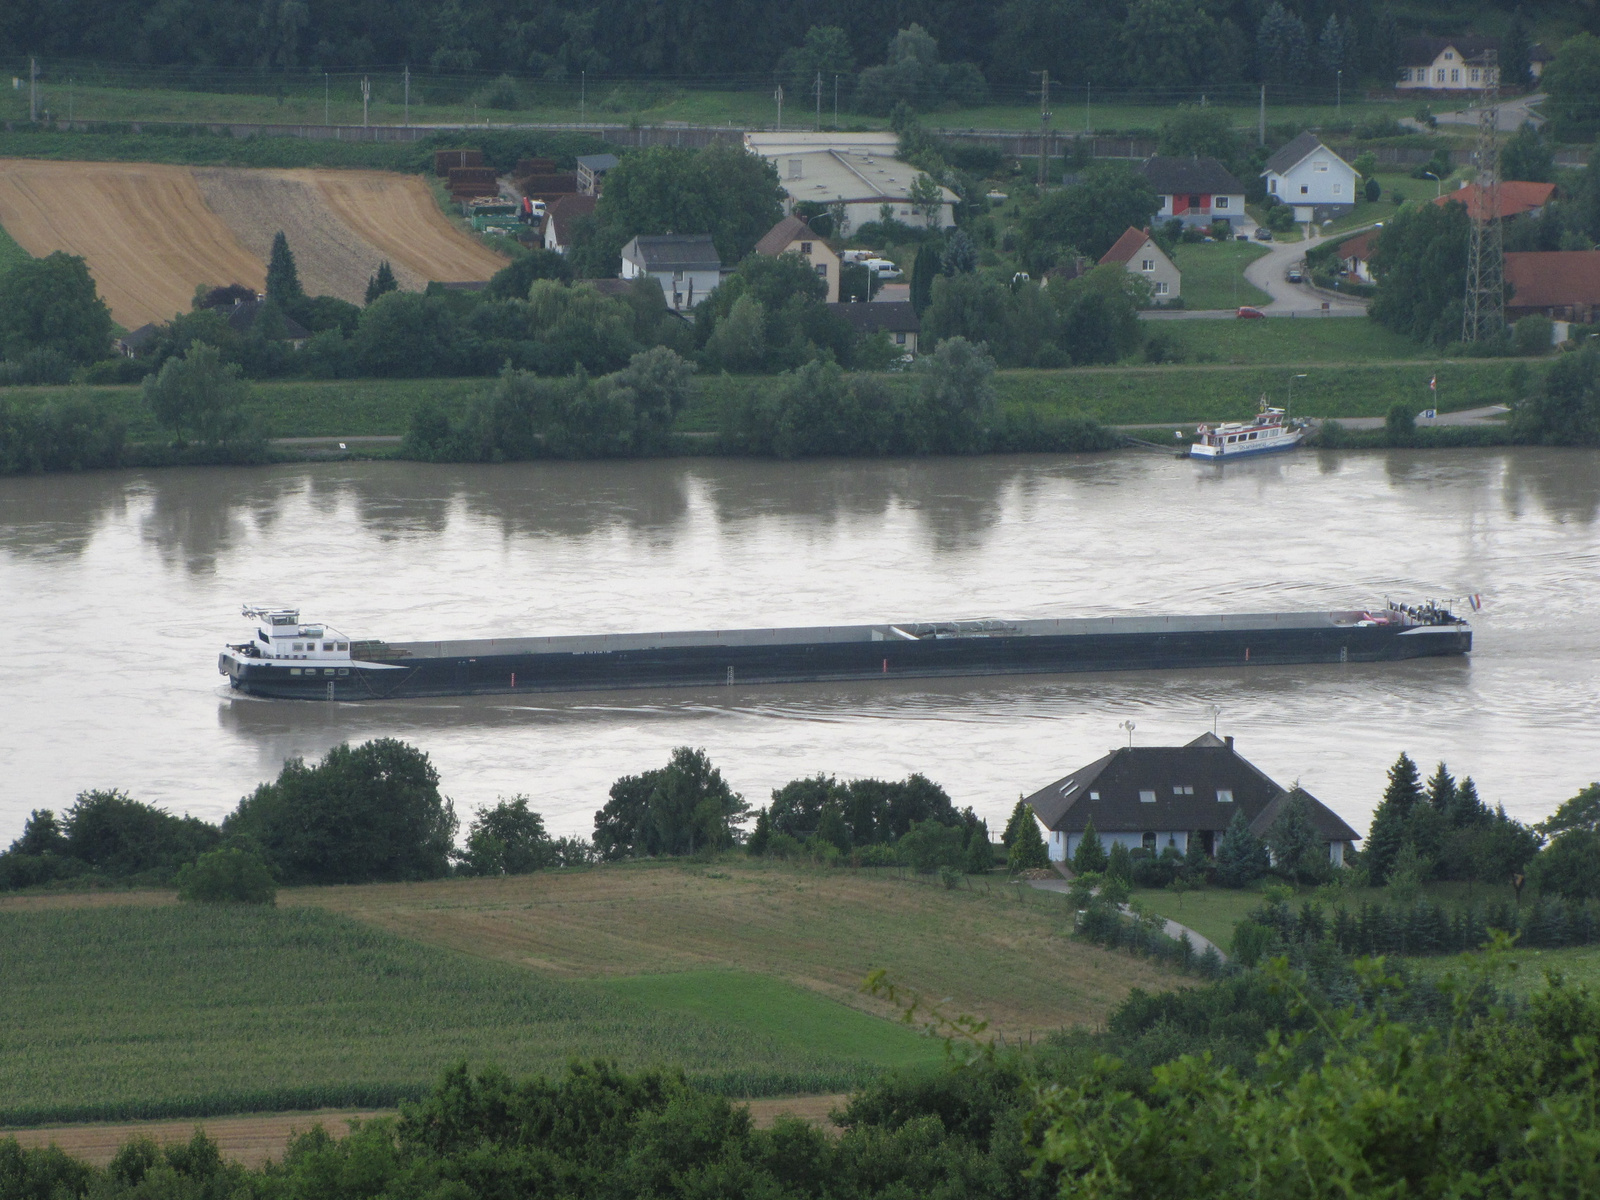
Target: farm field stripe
[
  {"x": 143, "y": 228},
  {"x": 398, "y": 215}
]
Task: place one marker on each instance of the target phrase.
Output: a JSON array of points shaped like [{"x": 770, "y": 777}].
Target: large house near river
[{"x": 1161, "y": 797}]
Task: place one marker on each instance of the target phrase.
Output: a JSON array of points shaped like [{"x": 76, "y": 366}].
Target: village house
[
  {"x": 686, "y": 265},
  {"x": 1561, "y": 284},
  {"x": 1516, "y": 198},
  {"x": 1196, "y": 191},
  {"x": 1316, "y": 181},
  {"x": 1157, "y": 798},
  {"x": 793, "y": 236},
  {"x": 896, "y": 319},
  {"x": 591, "y": 170},
  {"x": 1356, "y": 254},
  {"x": 560, "y": 217},
  {"x": 1139, "y": 255},
  {"x": 856, "y": 173}
]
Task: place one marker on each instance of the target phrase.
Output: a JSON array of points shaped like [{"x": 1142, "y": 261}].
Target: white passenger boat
[{"x": 1270, "y": 431}]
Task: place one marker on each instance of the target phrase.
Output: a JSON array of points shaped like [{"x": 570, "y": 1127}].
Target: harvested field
[
  {"x": 145, "y": 230},
  {"x": 152, "y": 233},
  {"x": 341, "y": 224}
]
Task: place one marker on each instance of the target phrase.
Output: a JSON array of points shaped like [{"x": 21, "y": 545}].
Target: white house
[
  {"x": 560, "y": 218},
  {"x": 1196, "y": 191},
  {"x": 1446, "y": 64},
  {"x": 1312, "y": 178},
  {"x": 686, "y": 265},
  {"x": 856, "y": 170},
  {"x": 1139, "y": 255},
  {"x": 1156, "y": 798}
]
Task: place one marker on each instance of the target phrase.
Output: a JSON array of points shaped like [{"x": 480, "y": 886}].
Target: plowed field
[{"x": 151, "y": 233}]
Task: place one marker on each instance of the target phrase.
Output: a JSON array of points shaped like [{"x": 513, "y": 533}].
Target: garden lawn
[
  {"x": 1213, "y": 274},
  {"x": 120, "y": 1012},
  {"x": 1293, "y": 341}
]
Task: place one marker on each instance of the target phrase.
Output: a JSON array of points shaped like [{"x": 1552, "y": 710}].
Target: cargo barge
[{"x": 292, "y": 659}]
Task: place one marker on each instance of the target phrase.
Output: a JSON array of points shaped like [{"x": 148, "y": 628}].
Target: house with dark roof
[
  {"x": 1157, "y": 798},
  {"x": 686, "y": 265},
  {"x": 1316, "y": 181},
  {"x": 1561, "y": 284},
  {"x": 559, "y": 218},
  {"x": 1139, "y": 255},
  {"x": 1447, "y": 64},
  {"x": 896, "y": 318},
  {"x": 793, "y": 235},
  {"x": 1196, "y": 191},
  {"x": 136, "y": 341},
  {"x": 1513, "y": 198},
  {"x": 242, "y": 316}
]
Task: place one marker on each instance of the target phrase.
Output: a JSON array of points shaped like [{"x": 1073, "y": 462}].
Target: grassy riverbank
[
  {"x": 745, "y": 974},
  {"x": 1183, "y": 394}
]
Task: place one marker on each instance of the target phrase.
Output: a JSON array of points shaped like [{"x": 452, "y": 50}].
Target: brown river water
[{"x": 119, "y": 588}]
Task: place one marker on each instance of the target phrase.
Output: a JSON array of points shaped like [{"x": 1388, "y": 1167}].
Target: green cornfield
[{"x": 120, "y": 1013}]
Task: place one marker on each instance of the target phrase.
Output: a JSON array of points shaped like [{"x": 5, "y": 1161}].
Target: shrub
[{"x": 229, "y": 875}]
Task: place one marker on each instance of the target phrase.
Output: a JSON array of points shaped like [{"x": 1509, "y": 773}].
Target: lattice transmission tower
[{"x": 1485, "y": 313}]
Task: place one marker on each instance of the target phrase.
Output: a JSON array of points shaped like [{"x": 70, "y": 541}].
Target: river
[{"x": 120, "y": 587}]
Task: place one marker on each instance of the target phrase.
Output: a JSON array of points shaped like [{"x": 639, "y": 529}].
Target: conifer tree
[
  {"x": 383, "y": 281},
  {"x": 980, "y": 851},
  {"x": 1242, "y": 857},
  {"x": 1027, "y": 850},
  {"x": 1119, "y": 864},
  {"x": 1020, "y": 815},
  {"x": 1441, "y": 789},
  {"x": 283, "y": 277},
  {"x": 760, "y": 836},
  {"x": 1390, "y": 821},
  {"x": 1298, "y": 851},
  {"x": 1090, "y": 854}
]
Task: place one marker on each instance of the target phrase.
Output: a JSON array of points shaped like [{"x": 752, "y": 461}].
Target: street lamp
[
  {"x": 1288, "y": 408},
  {"x": 1338, "y": 92},
  {"x": 1438, "y": 189}
]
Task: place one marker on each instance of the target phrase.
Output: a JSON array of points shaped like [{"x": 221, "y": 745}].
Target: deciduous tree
[{"x": 50, "y": 304}]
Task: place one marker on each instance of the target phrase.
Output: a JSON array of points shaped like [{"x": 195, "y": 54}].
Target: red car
[{"x": 1250, "y": 314}]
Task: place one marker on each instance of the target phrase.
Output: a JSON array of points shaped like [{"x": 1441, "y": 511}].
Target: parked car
[
  {"x": 1263, "y": 234},
  {"x": 1241, "y": 237},
  {"x": 1295, "y": 276},
  {"x": 882, "y": 268},
  {"x": 854, "y": 256},
  {"x": 1250, "y": 314}
]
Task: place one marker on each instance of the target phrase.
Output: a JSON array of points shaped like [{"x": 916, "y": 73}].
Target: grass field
[
  {"x": 122, "y": 1012},
  {"x": 1213, "y": 275},
  {"x": 994, "y": 949},
  {"x": 115, "y": 94},
  {"x": 1294, "y": 341}
]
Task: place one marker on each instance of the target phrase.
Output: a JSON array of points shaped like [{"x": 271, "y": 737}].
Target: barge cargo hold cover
[{"x": 292, "y": 659}]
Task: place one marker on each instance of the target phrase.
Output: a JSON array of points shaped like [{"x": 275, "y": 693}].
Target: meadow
[
  {"x": 1213, "y": 274},
  {"x": 121, "y": 1012}
]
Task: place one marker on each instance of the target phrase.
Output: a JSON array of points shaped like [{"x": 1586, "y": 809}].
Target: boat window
[
  {"x": 262, "y": 634},
  {"x": 1224, "y": 795},
  {"x": 294, "y": 670},
  {"x": 327, "y": 670},
  {"x": 1147, "y": 797},
  {"x": 1253, "y": 436},
  {"x": 327, "y": 645},
  {"x": 342, "y": 646},
  {"x": 344, "y": 670}
]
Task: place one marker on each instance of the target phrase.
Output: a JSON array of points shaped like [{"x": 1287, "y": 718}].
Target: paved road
[
  {"x": 1270, "y": 274},
  {"x": 1488, "y": 415},
  {"x": 1514, "y": 112}
]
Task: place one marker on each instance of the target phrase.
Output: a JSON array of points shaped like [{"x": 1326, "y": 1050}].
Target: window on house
[
  {"x": 1475, "y": 74},
  {"x": 1405, "y": 74},
  {"x": 1094, "y": 795},
  {"x": 899, "y": 339},
  {"x": 1321, "y": 168},
  {"x": 1149, "y": 841},
  {"x": 1224, "y": 795},
  {"x": 1194, "y": 202},
  {"x": 1160, "y": 289},
  {"x": 1455, "y": 74},
  {"x": 1147, "y": 797},
  {"x": 805, "y": 247},
  {"x": 1148, "y": 264},
  {"x": 794, "y": 168},
  {"x": 1439, "y": 75},
  {"x": 1272, "y": 185},
  {"x": 1449, "y": 56},
  {"x": 1304, "y": 190},
  {"x": 1182, "y": 790},
  {"x": 1338, "y": 189},
  {"x": 1221, "y": 202},
  {"x": 822, "y": 269}
]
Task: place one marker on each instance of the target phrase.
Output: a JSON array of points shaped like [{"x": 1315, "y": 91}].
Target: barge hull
[{"x": 410, "y": 674}]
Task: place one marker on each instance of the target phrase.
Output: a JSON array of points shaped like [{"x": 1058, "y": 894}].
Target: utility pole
[
  {"x": 1044, "y": 121},
  {"x": 836, "y": 101},
  {"x": 1261, "y": 130},
  {"x": 366, "y": 95},
  {"x": 1484, "y": 317},
  {"x": 325, "y": 98},
  {"x": 408, "y": 95},
  {"x": 1088, "y": 109},
  {"x": 780, "y": 108},
  {"x": 583, "y": 97},
  {"x": 33, "y": 89},
  {"x": 1338, "y": 92},
  {"x": 819, "y": 101}
]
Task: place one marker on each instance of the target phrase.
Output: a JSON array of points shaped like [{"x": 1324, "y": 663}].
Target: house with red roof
[
  {"x": 1139, "y": 255},
  {"x": 1515, "y": 198},
  {"x": 1561, "y": 284},
  {"x": 1356, "y": 254}
]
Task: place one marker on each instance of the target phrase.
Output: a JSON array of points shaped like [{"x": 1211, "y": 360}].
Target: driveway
[
  {"x": 1514, "y": 112},
  {"x": 1270, "y": 274}
]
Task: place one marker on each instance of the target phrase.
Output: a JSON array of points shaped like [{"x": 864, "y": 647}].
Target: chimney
[{"x": 1229, "y": 740}]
